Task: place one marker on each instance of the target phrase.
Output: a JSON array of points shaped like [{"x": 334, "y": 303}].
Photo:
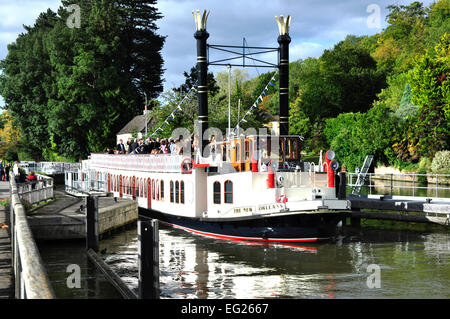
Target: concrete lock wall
[
  {"x": 73, "y": 226},
  {"x": 117, "y": 215}
]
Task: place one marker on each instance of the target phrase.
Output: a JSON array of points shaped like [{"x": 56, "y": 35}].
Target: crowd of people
[
  {"x": 5, "y": 168},
  {"x": 154, "y": 146}
]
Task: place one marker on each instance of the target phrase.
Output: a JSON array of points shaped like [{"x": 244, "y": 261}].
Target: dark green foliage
[
  {"x": 71, "y": 89},
  {"x": 191, "y": 79},
  {"x": 354, "y": 135}
]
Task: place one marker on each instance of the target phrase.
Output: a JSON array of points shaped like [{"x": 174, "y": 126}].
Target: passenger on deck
[
  {"x": 129, "y": 142},
  {"x": 178, "y": 147},
  {"x": 151, "y": 145},
  {"x": 157, "y": 143},
  {"x": 164, "y": 147},
  {"x": 121, "y": 147},
  {"x": 172, "y": 146},
  {"x": 133, "y": 147}
]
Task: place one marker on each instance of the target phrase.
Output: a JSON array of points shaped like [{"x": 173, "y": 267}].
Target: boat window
[
  {"x": 264, "y": 147},
  {"x": 137, "y": 187},
  {"x": 157, "y": 189},
  {"x": 182, "y": 192},
  {"x": 177, "y": 192},
  {"x": 247, "y": 150},
  {"x": 216, "y": 192},
  {"x": 145, "y": 187},
  {"x": 228, "y": 192},
  {"x": 162, "y": 190},
  {"x": 153, "y": 189},
  {"x": 224, "y": 152},
  {"x": 282, "y": 149},
  {"x": 238, "y": 152},
  {"x": 292, "y": 149},
  {"x": 171, "y": 191}
]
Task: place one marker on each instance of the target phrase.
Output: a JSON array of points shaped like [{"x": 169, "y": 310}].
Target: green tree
[
  {"x": 71, "y": 89},
  {"x": 25, "y": 82},
  {"x": 354, "y": 135},
  {"x": 430, "y": 88},
  {"x": 191, "y": 79}
]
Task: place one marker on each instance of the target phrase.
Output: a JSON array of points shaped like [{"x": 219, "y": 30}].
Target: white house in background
[{"x": 137, "y": 124}]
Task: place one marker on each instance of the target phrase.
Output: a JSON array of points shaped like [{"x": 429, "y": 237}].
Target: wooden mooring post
[
  {"x": 342, "y": 188},
  {"x": 148, "y": 254},
  {"x": 92, "y": 232},
  {"x": 148, "y": 259}
]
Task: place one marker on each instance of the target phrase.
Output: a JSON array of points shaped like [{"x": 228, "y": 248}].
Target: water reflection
[
  {"x": 58, "y": 255},
  {"x": 412, "y": 265}
]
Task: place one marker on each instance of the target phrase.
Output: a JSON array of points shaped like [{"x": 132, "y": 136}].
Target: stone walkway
[{"x": 6, "y": 282}]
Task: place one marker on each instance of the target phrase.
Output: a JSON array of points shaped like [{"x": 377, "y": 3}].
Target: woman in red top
[{"x": 32, "y": 180}]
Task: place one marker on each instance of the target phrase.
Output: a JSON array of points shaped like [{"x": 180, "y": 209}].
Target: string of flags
[
  {"x": 258, "y": 100},
  {"x": 188, "y": 96},
  {"x": 186, "y": 99}
]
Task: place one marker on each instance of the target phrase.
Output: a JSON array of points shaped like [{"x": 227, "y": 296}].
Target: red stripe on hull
[{"x": 247, "y": 238}]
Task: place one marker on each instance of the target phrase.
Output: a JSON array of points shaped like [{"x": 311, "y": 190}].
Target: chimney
[
  {"x": 202, "y": 68},
  {"x": 284, "y": 39}
]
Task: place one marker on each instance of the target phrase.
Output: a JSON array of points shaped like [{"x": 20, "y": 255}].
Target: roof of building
[{"x": 138, "y": 124}]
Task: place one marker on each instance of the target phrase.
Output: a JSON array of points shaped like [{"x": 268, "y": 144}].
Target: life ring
[{"x": 186, "y": 165}]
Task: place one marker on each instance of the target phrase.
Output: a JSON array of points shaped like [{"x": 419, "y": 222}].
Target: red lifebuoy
[{"x": 186, "y": 165}]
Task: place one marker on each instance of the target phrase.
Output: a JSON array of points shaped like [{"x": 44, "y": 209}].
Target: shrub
[
  {"x": 4, "y": 201},
  {"x": 425, "y": 164},
  {"x": 26, "y": 204},
  {"x": 441, "y": 162}
]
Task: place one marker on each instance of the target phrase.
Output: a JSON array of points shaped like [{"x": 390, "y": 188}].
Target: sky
[{"x": 316, "y": 25}]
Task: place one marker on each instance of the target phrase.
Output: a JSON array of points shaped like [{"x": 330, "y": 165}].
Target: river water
[{"x": 406, "y": 263}]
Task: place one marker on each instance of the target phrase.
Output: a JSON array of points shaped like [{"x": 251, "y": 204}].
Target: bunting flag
[
  {"x": 260, "y": 97},
  {"x": 186, "y": 98}
]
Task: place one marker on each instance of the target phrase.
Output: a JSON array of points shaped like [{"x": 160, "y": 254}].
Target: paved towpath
[{"x": 6, "y": 282}]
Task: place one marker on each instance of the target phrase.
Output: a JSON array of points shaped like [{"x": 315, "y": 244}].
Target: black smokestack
[
  {"x": 284, "y": 41},
  {"x": 202, "y": 69}
]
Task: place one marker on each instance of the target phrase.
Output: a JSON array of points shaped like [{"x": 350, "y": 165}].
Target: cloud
[{"x": 316, "y": 25}]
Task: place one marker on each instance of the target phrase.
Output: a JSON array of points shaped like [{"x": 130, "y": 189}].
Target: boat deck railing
[{"x": 151, "y": 162}]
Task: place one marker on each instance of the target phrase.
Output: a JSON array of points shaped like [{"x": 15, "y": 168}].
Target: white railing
[
  {"x": 50, "y": 168},
  {"x": 434, "y": 185},
  {"x": 146, "y": 162},
  {"x": 35, "y": 192},
  {"x": 30, "y": 277}
]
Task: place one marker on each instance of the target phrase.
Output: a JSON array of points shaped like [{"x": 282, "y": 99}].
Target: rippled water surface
[{"x": 412, "y": 265}]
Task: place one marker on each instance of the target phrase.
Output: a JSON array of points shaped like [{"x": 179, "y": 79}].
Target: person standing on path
[{"x": 16, "y": 171}]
